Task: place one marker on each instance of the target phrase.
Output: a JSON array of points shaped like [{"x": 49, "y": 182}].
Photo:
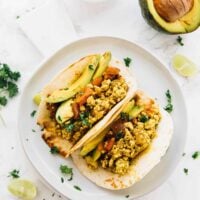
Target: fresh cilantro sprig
[
  {"x": 179, "y": 40},
  {"x": 8, "y": 86},
  {"x": 169, "y": 106},
  {"x": 127, "y": 61}
]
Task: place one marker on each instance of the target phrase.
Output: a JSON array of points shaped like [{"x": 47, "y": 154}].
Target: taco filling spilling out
[
  {"x": 68, "y": 112},
  {"x": 116, "y": 148}
]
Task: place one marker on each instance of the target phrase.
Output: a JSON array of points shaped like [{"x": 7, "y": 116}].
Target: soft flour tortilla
[
  {"x": 141, "y": 166},
  {"x": 63, "y": 80}
]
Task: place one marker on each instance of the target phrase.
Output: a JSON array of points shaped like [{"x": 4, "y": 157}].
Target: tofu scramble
[
  {"x": 127, "y": 137},
  {"x": 89, "y": 106}
]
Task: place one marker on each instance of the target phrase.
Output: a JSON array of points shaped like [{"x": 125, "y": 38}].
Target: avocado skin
[{"x": 152, "y": 22}]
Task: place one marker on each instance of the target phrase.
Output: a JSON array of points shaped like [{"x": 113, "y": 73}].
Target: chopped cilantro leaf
[
  {"x": 119, "y": 135},
  {"x": 12, "y": 89},
  {"x": 185, "y": 171},
  {"x": 59, "y": 118},
  {"x": 127, "y": 61},
  {"x": 144, "y": 118},
  {"x": 84, "y": 118},
  {"x": 124, "y": 116},
  {"x": 67, "y": 171},
  {"x": 33, "y": 130},
  {"x": 196, "y": 155},
  {"x": 77, "y": 187},
  {"x": 69, "y": 127},
  {"x": 91, "y": 67},
  {"x": 3, "y": 100},
  {"x": 54, "y": 150},
  {"x": 169, "y": 106},
  {"x": 33, "y": 113},
  {"x": 14, "y": 174},
  {"x": 179, "y": 40}
]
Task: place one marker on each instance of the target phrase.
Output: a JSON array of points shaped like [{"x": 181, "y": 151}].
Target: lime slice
[
  {"x": 37, "y": 99},
  {"x": 184, "y": 66},
  {"x": 23, "y": 189}
]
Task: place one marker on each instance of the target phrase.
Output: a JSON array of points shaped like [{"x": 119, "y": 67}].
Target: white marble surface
[{"x": 117, "y": 18}]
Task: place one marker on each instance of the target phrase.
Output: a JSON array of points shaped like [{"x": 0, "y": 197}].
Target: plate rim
[{"x": 52, "y": 55}]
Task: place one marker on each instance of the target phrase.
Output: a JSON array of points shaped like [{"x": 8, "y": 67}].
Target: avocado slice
[
  {"x": 91, "y": 145},
  {"x": 103, "y": 64},
  {"x": 187, "y": 23},
  {"x": 135, "y": 111},
  {"x": 128, "y": 106},
  {"x": 84, "y": 79},
  {"x": 64, "y": 112}
]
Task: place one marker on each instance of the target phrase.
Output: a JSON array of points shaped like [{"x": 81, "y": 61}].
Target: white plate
[{"x": 152, "y": 76}]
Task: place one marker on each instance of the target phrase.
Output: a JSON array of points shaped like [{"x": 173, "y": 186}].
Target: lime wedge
[
  {"x": 37, "y": 99},
  {"x": 22, "y": 189},
  {"x": 184, "y": 66}
]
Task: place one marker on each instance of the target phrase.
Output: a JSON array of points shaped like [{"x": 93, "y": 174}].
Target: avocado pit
[{"x": 172, "y": 10}]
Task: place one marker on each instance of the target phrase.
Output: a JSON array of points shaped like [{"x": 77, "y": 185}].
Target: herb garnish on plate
[
  {"x": 169, "y": 106},
  {"x": 77, "y": 188},
  {"x": 127, "y": 61},
  {"x": 179, "y": 40},
  {"x": 67, "y": 171},
  {"x": 196, "y": 155},
  {"x": 14, "y": 173}
]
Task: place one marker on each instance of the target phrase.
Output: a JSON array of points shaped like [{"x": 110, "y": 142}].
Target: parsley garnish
[
  {"x": 144, "y": 118},
  {"x": 8, "y": 87},
  {"x": 179, "y": 40},
  {"x": 185, "y": 171},
  {"x": 14, "y": 174},
  {"x": 169, "y": 106},
  {"x": 69, "y": 127},
  {"x": 124, "y": 116},
  {"x": 127, "y": 61},
  {"x": 33, "y": 113},
  {"x": 54, "y": 150},
  {"x": 196, "y": 155},
  {"x": 77, "y": 187},
  {"x": 91, "y": 67},
  {"x": 67, "y": 171}
]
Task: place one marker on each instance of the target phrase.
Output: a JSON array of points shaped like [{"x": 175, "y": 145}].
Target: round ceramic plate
[{"x": 153, "y": 77}]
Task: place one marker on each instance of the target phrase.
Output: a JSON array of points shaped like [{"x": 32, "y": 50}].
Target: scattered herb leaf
[
  {"x": 59, "y": 118},
  {"x": 14, "y": 174},
  {"x": 54, "y": 150},
  {"x": 169, "y": 106},
  {"x": 77, "y": 187},
  {"x": 33, "y": 130},
  {"x": 84, "y": 118},
  {"x": 196, "y": 155},
  {"x": 183, "y": 154},
  {"x": 3, "y": 100},
  {"x": 33, "y": 113},
  {"x": 62, "y": 180},
  {"x": 144, "y": 118},
  {"x": 67, "y": 171},
  {"x": 127, "y": 61},
  {"x": 127, "y": 196},
  {"x": 91, "y": 67},
  {"x": 179, "y": 40},
  {"x": 17, "y": 17},
  {"x": 185, "y": 171}
]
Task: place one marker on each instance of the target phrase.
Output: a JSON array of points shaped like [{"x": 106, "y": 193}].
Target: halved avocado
[{"x": 188, "y": 22}]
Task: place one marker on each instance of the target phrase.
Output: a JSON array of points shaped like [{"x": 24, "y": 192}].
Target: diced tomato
[
  {"x": 109, "y": 144},
  {"x": 100, "y": 146},
  {"x": 111, "y": 72},
  {"x": 75, "y": 109},
  {"x": 97, "y": 81},
  {"x": 83, "y": 98}
]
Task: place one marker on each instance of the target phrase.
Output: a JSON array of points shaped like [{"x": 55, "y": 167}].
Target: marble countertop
[{"x": 120, "y": 18}]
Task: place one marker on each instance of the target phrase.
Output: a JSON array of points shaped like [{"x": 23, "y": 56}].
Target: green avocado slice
[
  {"x": 84, "y": 79},
  {"x": 188, "y": 23}
]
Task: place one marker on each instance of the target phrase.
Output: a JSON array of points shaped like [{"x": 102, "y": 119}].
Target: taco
[
  {"x": 126, "y": 150},
  {"x": 82, "y": 98}
]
